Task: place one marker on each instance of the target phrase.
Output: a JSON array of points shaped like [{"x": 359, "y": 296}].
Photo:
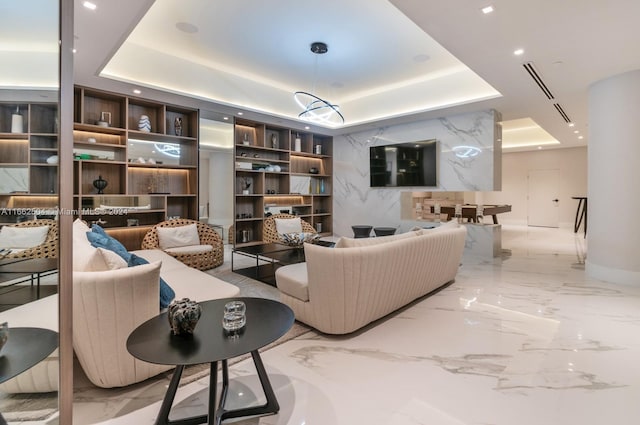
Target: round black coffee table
[
  {"x": 25, "y": 348},
  {"x": 153, "y": 342}
]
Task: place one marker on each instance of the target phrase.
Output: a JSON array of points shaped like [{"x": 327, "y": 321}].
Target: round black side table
[
  {"x": 384, "y": 231},
  {"x": 25, "y": 348},
  {"x": 153, "y": 342},
  {"x": 361, "y": 231}
]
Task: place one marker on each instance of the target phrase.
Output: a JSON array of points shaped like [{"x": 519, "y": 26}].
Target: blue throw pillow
[
  {"x": 166, "y": 293},
  {"x": 99, "y": 239}
]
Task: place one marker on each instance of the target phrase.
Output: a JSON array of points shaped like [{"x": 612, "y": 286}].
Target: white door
[{"x": 543, "y": 198}]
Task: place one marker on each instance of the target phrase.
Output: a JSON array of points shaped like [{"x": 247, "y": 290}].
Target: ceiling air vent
[
  {"x": 561, "y": 111},
  {"x": 528, "y": 66}
]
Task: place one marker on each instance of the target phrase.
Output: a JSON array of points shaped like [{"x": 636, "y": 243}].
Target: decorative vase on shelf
[
  {"x": 183, "y": 316},
  {"x": 245, "y": 139},
  {"x": 322, "y": 186},
  {"x": 274, "y": 140},
  {"x": 105, "y": 119},
  {"x": 177, "y": 124},
  {"x": 144, "y": 124},
  {"x": 297, "y": 144},
  {"x": 17, "y": 124},
  {"x": 100, "y": 184}
]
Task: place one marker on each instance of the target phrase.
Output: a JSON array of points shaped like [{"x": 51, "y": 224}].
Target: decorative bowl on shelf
[{"x": 298, "y": 239}]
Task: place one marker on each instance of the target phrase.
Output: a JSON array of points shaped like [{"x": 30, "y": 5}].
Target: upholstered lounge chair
[
  {"x": 47, "y": 249},
  {"x": 270, "y": 233},
  {"x": 197, "y": 256}
]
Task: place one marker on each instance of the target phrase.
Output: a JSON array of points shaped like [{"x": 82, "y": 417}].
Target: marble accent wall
[
  {"x": 355, "y": 202},
  {"x": 14, "y": 180}
]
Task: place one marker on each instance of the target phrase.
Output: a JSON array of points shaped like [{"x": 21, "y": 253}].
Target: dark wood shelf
[{"x": 175, "y": 186}]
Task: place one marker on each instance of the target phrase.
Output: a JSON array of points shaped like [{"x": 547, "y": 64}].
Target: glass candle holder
[{"x": 234, "y": 318}]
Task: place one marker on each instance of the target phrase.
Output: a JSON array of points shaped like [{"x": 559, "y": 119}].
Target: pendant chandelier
[{"x": 314, "y": 108}]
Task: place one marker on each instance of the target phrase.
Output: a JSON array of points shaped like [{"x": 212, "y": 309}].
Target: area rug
[{"x": 100, "y": 404}]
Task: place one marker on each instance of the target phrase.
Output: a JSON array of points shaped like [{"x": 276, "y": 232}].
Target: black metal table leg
[
  {"x": 167, "y": 402},
  {"x": 213, "y": 384},
  {"x": 270, "y": 407}
]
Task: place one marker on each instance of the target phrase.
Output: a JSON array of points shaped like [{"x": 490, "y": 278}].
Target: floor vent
[
  {"x": 528, "y": 66},
  {"x": 562, "y": 113}
]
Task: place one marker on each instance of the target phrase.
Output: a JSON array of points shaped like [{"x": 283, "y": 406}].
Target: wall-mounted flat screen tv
[{"x": 404, "y": 164}]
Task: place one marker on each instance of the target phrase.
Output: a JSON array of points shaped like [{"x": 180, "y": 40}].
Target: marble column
[{"x": 613, "y": 235}]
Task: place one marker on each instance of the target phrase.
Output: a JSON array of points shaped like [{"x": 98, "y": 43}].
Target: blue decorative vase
[
  {"x": 144, "y": 124},
  {"x": 183, "y": 316}
]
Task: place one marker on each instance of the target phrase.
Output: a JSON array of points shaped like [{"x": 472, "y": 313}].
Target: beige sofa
[
  {"x": 339, "y": 290},
  {"x": 107, "y": 307}
]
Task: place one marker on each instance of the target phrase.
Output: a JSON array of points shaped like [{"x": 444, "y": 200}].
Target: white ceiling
[
  {"x": 253, "y": 54},
  {"x": 256, "y": 55},
  {"x": 29, "y": 44}
]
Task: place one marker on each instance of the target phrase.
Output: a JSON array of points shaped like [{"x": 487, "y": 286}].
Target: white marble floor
[{"x": 525, "y": 339}]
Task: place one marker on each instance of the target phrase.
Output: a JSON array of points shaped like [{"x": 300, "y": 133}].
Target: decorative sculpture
[
  {"x": 100, "y": 184},
  {"x": 183, "y": 316}
]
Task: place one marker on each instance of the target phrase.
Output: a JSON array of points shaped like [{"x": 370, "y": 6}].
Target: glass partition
[{"x": 29, "y": 148}]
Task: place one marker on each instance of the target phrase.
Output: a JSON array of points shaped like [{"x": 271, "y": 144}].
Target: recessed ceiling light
[
  {"x": 225, "y": 118},
  {"x": 571, "y": 124},
  {"x": 74, "y": 50},
  {"x": 240, "y": 113},
  {"x": 487, "y": 9},
  {"x": 89, "y": 5},
  {"x": 136, "y": 91},
  {"x": 539, "y": 147},
  {"x": 576, "y": 131},
  {"x": 518, "y": 52},
  {"x": 306, "y": 127},
  {"x": 187, "y": 27},
  {"x": 580, "y": 137}
]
